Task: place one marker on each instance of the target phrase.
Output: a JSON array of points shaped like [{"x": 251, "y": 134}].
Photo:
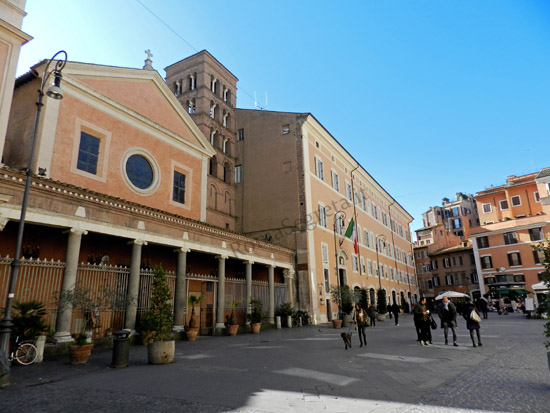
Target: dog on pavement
[{"x": 347, "y": 339}]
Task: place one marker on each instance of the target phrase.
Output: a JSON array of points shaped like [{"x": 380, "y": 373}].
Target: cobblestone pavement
[{"x": 305, "y": 369}]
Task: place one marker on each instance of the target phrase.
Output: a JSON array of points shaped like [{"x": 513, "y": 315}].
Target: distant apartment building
[
  {"x": 514, "y": 217},
  {"x": 457, "y": 216},
  {"x": 299, "y": 187},
  {"x": 444, "y": 262}
]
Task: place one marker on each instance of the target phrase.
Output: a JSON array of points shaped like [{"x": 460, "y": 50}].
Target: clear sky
[{"x": 431, "y": 97}]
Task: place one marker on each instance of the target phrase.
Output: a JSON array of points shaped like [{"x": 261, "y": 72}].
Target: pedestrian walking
[
  {"x": 484, "y": 307},
  {"x": 372, "y": 315},
  {"x": 472, "y": 322},
  {"x": 360, "y": 318},
  {"x": 421, "y": 321},
  {"x": 394, "y": 308},
  {"x": 447, "y": 314}
]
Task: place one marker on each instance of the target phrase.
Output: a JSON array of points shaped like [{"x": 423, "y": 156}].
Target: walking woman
[
  {"x": 360, "y": 318},
  {"x": 472, "y": 323}
]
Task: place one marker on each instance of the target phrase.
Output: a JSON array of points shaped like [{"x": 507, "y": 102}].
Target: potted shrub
[
  {"x": 286, "y": 312},
  {"x": 343, "y": 297},
  {"x": 192, "y": 329},
  {"x": 160, "y": 317},
  {"x": 381, "y": 304},
  {"x": 28, "y": 324},
  {"x": 230, "y": 322},
  {"x": 256, "y": 315}
]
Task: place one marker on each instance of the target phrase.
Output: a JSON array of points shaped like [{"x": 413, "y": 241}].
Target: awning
[{"x": 506, "y": 291}]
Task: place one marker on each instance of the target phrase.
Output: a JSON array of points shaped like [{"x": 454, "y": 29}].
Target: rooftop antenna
[{"x": 255, "y": 101}]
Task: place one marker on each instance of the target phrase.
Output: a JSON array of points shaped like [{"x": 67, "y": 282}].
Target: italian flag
[{"x": 351, "y": 233}]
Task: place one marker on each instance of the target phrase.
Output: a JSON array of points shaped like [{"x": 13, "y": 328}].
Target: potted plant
[
  {"x": 286, "y": 311},
  {"x": 343, "y": 297},
  {"x": 230, "y": 323},
  {"x": 28, "y": 324},
  {"x": 381, "y": 304},
  {"x": 160, "y": 317},
  {"x": 192, "y": 329},
  {"x": 256, "y": 315}
]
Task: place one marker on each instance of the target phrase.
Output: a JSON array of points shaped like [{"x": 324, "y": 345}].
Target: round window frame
[{"x": 154, "y": 166}]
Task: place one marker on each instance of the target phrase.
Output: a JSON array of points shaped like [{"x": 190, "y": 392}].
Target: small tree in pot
[
  {"x": 192, "y": 329},
  {"x": 230, "y": 323},
  {"x": 343, "y": 297},
  {"x": 256, "y": 315},
  {"x": 160, "y": 317},
  {"x": 381, "y": 304}
]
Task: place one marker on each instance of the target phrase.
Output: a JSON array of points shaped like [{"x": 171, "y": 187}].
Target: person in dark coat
[
  {"x": 421, "y": 320},
  {"x": 484, "y": 307},
  {"x": 447, "y": 314},
  {"x": 372, "y": 315},
  {"x": 471, "y": 324},
  {"x": 395, "y": 310}
]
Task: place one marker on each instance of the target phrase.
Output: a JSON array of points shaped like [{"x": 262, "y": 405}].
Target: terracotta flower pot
[
  {"x": 232, "y": 329},
  {"x": 191, "y": 333},
  {"x": 256, "y": 327},
  {"x": 161, "y": 352},
  {"x": 337, "y": 323},
  {"x": 80, "y": 354}
]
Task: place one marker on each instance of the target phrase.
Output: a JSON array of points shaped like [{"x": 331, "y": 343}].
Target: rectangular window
[
  {"x": 369, "y": 266},
  {"x": 453, "y": 261},
  {"x": 319, "y": 169},
  {"x": 324, "y": 252},
  {"x": 362, "y": 265},
  {"x": 238, "y": 173},
  {"x": 486, "y": 262},
  {"x": 88, "y": 153},
  {"x": 514, "y": 259},
  {"x": 457, "y": 223},
  {"x": 179, "y": 188},
  {"x": 510, "y": 238},
  {"x": 516, "y": 200},
  {"x": 486, "y": 208},
  {"x": 322, "y": 216},
  {"x": 240, "y": 135},
  {"x": 538, "y": 255},
  {"x": 483, "y": 242},
  {"x": 473, "y": 277},
  {"x": 335, "y": 181},
  {"x": 455, "y": 212},
  {"x": 327, "y": 281},
  {"x": 460, "y": 260},
  {"x": 436, "y": 281},
  {"x": 348, "y": 191},
  {"x": 537, "y": 197},
  {"x": 446, "y": 263},
  {"x": 503, "y": 205},
  {"x": 449, "y": 279},
  {"x": 535, "y": 234},
  {"x": 354, "y": 263}
]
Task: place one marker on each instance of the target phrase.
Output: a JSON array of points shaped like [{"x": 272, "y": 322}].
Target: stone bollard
[
  {"x": 278, "y": 321},
  {"x": 40, "y": 343},
  {"x": 289, "y": 321}
]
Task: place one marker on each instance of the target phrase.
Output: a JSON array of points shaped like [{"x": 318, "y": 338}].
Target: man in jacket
[{"x": 447, "y": 314}]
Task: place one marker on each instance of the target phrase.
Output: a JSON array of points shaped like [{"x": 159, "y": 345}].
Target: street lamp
[
  {"x": 54, "y": 92},
  {"x": 377, "y": 261},
  {"x": 336, "y": 218}
]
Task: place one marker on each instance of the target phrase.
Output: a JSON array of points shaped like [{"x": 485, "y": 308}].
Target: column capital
[
  {"x": 3, "y": 222},
  {"x": 77, "y": 231},
  {"x": 288, "y": 273},
  {"x": 249, "y": 262},
  {"x": 222, "y": 257},
  {"x": 271, "y": 266},
  {"x": 182, "y": 249},
  {"x": 137, "y": 242}
]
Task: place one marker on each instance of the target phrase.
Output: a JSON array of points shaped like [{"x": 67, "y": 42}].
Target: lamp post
[
  {"x": 378, "y": 262},
  {"x": 54, "y": 92},
  {"x": 336, "y": 245}
]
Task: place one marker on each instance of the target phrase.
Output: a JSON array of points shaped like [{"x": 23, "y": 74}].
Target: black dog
[{"x": 347, "y": 339}]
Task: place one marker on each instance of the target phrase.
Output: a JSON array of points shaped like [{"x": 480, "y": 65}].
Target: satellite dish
[{"x": 502, "y": 269}]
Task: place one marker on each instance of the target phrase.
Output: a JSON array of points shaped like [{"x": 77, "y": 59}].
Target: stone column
[
  {"x": 133, "y": 285},
  {"x": 289, "y": 281},
  {"x": 271, "y": 281},
  {"x": 65, "y": 310},
  {"x": 221, "y": 293},
  {"x": 180, "y": 296},
  {"x": 248, "y": 288}
]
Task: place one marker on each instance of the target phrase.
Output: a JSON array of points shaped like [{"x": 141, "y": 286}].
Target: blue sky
[{"x": 431, "y": 97}]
